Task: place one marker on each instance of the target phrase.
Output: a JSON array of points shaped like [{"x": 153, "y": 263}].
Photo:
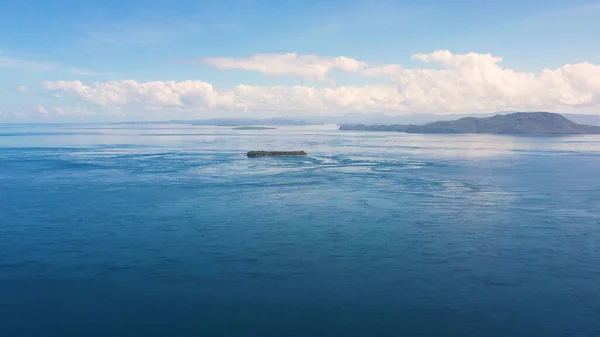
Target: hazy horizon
[{"x": 349, "y": 118}]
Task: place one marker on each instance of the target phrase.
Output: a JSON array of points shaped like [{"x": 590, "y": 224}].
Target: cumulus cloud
[
  {"x": 154, "y": 94},
  {"x": 198, "y": 96},
  {"x": 308, "y": 67},
  {"x": 478, "y": 82},
  {"x": 465, "y": 83}
]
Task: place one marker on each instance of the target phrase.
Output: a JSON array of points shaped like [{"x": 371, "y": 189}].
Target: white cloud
[
  {"x": 22, "y": 89},
  {"x": 63, "y": 110},
  {"x": 40, "y": 109},
  {"x": 307, "y": 67},
  {"x": 466, "y": 83},
  {"x": 200, "y": 96},
  {"x": 71, "y": 110},
  {"x": 155, "y": 94},
  {"x": 476, "y": 82}
]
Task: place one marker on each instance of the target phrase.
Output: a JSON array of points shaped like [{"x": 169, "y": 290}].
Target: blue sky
[{"x": 100, "y": 44}]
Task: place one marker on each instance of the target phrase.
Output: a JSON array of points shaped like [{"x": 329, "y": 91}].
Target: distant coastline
[
  {"x": 249, "y": 122},
  {"x": 531, "y": 123},
  {"x": 253, "y": 128}
]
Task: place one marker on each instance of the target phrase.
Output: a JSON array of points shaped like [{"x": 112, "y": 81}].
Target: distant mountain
[
  {"x": 249, "y": 122},
  {"x": 353, "y": 118},
  {"x": 512, "y": 123},
  {"x": 231, "y": 122},
  {"x": 423, "y": 118},
  {"x": 380, "y": 118}
]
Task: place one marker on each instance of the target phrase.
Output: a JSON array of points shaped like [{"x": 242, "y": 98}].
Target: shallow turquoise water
[{"x": 128, "y": 230}]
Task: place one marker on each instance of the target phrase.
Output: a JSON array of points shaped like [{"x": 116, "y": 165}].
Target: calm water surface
[{"x": 129, "y": 230}]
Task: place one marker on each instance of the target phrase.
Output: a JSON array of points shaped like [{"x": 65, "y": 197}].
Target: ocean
[{"x": 170, "y": 230}]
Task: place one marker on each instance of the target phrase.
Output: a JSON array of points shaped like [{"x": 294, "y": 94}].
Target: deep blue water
[{"x": 131, "y": 230}]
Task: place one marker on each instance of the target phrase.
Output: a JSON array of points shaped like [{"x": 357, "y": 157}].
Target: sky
[{"x": 109, "y": 60}]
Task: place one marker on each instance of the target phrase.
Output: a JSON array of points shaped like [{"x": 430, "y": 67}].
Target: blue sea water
[{"x": 169, "y": 230}]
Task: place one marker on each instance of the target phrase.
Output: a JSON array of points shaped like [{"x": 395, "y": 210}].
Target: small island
[
  {"x": 518, "y": 123},
  {"x": 254, "y": 154},
  {"x": 253, "y": 128}
]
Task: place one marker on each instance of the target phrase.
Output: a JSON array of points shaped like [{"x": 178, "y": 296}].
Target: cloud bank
[{"x": 465, "y": 83}]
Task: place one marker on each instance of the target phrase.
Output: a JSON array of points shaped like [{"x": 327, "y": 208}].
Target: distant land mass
[
  {"x": 351, "y": 118},
  {"x": 423, "y": 118},
  {"x": 230, "y": 122},
  {"x": 249, "y": 122},
  {"x": 252, "y": 128},
  {"x": 540, "y": 123}
]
